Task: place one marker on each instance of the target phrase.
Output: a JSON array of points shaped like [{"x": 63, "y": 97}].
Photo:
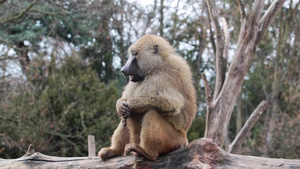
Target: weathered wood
[
  {"x": 92, "y": 146},
  {"x": 219, "y": 53},
  {"x": 30, "y": 151},
  {"x": 252, "y": 30},
  {"x": 241, "y": 9},
  {"x": 245, "y": 131},
  {"x": 207, "y": 89},
  {"x": 226, "y": 38},
  {"x": 201, "y": 153},
  {"x": 268, "y": 18}
]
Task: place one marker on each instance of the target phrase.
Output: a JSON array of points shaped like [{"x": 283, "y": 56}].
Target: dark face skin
[{"x": 132, "y": 69}]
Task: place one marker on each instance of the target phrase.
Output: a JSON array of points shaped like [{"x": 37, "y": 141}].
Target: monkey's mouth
[
  {"x": 135, "y": 78},
  {"x": 130, "y": 77}
]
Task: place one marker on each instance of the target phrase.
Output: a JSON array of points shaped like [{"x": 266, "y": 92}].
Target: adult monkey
[{"x": 158, "y": 103}]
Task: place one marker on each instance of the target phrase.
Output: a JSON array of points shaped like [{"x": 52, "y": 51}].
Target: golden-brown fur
[{"x": 162, "y": 105}]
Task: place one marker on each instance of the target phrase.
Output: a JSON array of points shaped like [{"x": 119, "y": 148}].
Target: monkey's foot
[
  {"x": 140, "y": 151},
  {"x": 139, "y": 159},
  {"x": 106, "y": 153}
]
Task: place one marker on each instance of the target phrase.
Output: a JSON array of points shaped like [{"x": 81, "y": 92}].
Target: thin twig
[
  {"x": 268, "y": 18},
  {"x": 2, "y": 1},
  {"x": 19, "y": 15},
  {"x": 245, "y": 131}
]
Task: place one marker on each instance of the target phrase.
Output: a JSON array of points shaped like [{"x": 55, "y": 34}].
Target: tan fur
[{"x": 162, "y": 106}]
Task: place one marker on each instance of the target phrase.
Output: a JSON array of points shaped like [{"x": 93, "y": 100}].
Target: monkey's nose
[{"x": 124, "y": 70}]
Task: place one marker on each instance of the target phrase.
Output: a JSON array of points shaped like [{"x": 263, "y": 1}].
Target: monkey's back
[{"x": 184, "y": 82}]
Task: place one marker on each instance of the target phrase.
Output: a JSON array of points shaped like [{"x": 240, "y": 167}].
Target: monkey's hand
[{"x": 123, "y": 110}]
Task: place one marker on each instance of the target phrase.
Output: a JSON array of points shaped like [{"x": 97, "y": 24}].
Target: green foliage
[
  {"x": 86, "y": 25},
  {"x": 59, "y": 111},
  {"x": 197, "y": 128},
  {"x": 43, "y": 20}
]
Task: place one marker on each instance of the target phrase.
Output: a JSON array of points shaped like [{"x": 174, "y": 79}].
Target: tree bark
[
  {"x": 161, "y": 19},
  {"x": 220, "y": 109},
  {"x": 220, "y": 46},
  {"x": 201, "y": 153}
]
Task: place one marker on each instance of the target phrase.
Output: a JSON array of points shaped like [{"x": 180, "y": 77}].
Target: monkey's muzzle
[{"x": 132, "y": 70}]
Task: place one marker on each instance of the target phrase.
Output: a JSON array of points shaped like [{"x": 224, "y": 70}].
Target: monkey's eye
[{"x": 134, "y": 53}]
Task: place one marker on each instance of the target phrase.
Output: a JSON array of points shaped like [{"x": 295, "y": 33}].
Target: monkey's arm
[{"x": 165, "y": 100}]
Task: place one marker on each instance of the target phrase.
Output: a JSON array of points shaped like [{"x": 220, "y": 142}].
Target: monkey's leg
[
  {"x": 119, "y": 139},
  {"x": 158, "y": 136}
]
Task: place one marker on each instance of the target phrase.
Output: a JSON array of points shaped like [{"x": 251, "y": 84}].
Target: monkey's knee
[{"x": 160, "y": 136}]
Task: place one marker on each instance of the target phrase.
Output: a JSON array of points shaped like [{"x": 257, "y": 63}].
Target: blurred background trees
[{"x": 60, "y": 78}]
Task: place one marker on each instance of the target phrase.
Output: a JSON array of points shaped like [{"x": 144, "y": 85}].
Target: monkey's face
[
  {"x": 147, "y": 57},
  {"x": 132, "y": 69}
]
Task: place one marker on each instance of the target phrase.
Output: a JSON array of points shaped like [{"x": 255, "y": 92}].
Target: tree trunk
[
  {"x": 253, "y": 28},
  {"x": 161, "y": 19},
  {"x": 201, "y": 153}
]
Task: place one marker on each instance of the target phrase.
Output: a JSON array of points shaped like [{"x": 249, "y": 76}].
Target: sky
[{"x": 142, "y": 2}]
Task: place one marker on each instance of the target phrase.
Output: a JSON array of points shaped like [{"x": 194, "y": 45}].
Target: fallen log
[{"x": 201, "y": 153}]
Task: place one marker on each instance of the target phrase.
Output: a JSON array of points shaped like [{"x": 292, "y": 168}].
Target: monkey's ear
[{"x": 155, "y": 47}]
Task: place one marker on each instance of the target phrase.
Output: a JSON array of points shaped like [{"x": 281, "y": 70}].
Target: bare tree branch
[
  {"x": 201, "y": 153},
  {"x": 207, "y": 89},
  {"x": 227, "y": 38},
  {"x": 7, "y": 58},
  {"x": 220, "y": 110},
  {"x": 150, "y": 17},
  {"x": 268, "y": 18},
  {"x": 220, "y": 61},
  {"x": 242, "y": 9},
  {"x": 161, "y": 19},
  {"x": 19, "y": 15},
  {"x": 245, "y": 131},
  {"x": 2, "y": 1},
  {"x": 9, "y": 44}
]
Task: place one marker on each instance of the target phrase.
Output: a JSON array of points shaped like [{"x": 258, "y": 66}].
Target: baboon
[{"x": 158, "y": 104}]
